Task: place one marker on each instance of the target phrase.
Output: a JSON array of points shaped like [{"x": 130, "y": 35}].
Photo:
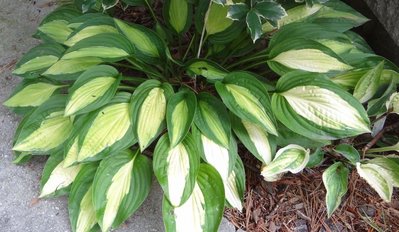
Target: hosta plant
[{"x": 113, "y": 102}]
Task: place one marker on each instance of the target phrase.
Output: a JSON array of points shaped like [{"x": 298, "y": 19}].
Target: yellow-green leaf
[
  {"x": 53, "y": 131},
  {"x": 57, "y": 30},
  {"x": 72, "y": 66},
  {"x": 151, "y": 116},
  {"x": 60, "y": 178},
  {"x": 88, "y": 32},
  {"x": 88, "y": 93},
  {"x": 37, "y": 63},
  {"x": 312, "y": 60},
  {"x": 32, "y": 95},
  {"x": 109, "y": 126}
]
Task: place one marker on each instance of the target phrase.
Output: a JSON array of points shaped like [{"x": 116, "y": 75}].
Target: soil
[{"x": 297, "y": 202}]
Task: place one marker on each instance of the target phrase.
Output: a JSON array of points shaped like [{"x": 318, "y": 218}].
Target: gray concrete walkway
[{"x": 20, "y": 210}]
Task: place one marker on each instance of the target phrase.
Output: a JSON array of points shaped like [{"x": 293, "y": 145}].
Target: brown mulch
[{"x": 296, "y": 203}]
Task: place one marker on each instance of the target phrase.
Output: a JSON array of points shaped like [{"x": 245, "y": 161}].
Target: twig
[{"x": 378, "y": 137}]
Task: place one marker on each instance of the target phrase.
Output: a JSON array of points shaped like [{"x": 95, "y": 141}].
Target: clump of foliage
[{"x": 290, "y": 82}]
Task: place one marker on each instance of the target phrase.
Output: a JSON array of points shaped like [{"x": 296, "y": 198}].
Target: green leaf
[
  {"x": 203, "y": 210},
  {"x": 147, "y": 43},
  {"x": 121, "y": 184},
  {"x": 316, "y": 158},
  {"x": 180, "y": 112},
  {"x": 368, "y": 84},
  {"x": 93, "y": 89},
  {"x": 56, "y": 179},
  {"x": 206, "y": 68},
  {"x": 381, "y": 105},
  {"x": 376, "y": 177},
  {"x": 255, "y": 139},
  {"x": 80, "y": 201},
  {"x": 176, "y": 168},
  {"x": 46, "y": 128},
  {"x": 271, "y": 11},
  {"x": 108, "y": 46},
  {"x": 178, "y": 14},
  {"x": 349, "y": 152},
  {"x": 335, "y": 179},
  {"x": 31, "y": 94},
  {"x": 292, "y": 158},
  {"x": 109, "y": 130},
  {"x": 247, "y": 98},
  {"x": 148, "y": 107},
  {"x": 313, "y": 106},
  {"x": 92, "y": 27},
  {"x": 348, "y": 80},
  {"x": 38, "y": 59},
  {"x": 338, "y": 16},
  {"x": 237, "y": 11},
  {"x": 254, "y": 24},
  {"x": 216, "y": 19},
  {"x": 212, "y": 119}
]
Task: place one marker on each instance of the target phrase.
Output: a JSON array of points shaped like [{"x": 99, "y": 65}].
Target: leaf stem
[
  {"x": 248, "y": 60},
  {"x": 151, "y": 11},
  {"x": 188, "y": 48}
]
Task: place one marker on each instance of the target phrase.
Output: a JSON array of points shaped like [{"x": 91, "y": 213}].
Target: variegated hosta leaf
[
  {"x": 376, "y": 177},
  {"x": 221, "y": 158},
  {"x": 234, "y": 186},
  {"x": 148, "y": 106},
  {"x": 335, "y": 179},
  {"x": 93, "y": 89},
  {"x": 178, "y": 14},
  {"x": 38, "y": 59},
  {"x": 295, "y": 14},
  {"x": 206, "y": 68},
  {"x": 92, "y": 27},
  {"x": 313, "y": 106},
  {"x": 255, "y": 139},
  {"x": 80, "y": 201},
  {"x": 311, "y": 60},
  {"x": 31, "y": 94},
  {"x": 121, "y": 184},
  {"x": 247, "y": 98},
  {"x": 368, "y": 85},
  {"x": 306, "y": 55},
  {"x": 180, "y": 113},
  {"x": 292, "y": 158},
  {"x": 393, "y": 103},
  {"x": 52, "y": 131},
  {"x": 349, "y": 79},
  {"x": 390, "y": 167},
  {"x": 55, "y": 26},
  {"x": 203, "y": 210},
  {"x": 349, "y": 152},
  {"x": 147, "y": 43},
  {"x": 176, "y": 168},
  {"x": 57, "y": 30},
  {"x": 338, "y": 16},
  {"x": 68, "y": 67},
  {"x": 213, "y": 120},
  {"x": 56, "y": 179},
  {"x": 107, "y": 46},
  {"x": 110, "y": 125}
]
